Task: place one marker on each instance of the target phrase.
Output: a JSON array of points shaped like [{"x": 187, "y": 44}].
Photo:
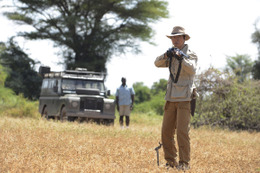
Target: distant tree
[
  {"x": 240, "y": 65},
  {"x": 21, "y": 76},
  {"x": 160, "y": 86},
  {"x": 256, "y": 40},
  {"x": 90, "y": 31},
  {"x": 142, "y": 93}
]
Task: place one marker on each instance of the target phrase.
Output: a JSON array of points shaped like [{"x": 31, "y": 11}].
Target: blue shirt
[{"x": 124, "y": 95}]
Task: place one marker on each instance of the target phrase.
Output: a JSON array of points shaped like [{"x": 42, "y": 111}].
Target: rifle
[
  {"x": 157, "y": 151},
  {"x": 172, "y": 51}
]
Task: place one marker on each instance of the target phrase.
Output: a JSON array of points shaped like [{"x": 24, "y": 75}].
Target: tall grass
[{"x": 37, "y": 145}]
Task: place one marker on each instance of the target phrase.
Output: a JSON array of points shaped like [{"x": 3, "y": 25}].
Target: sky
[{"x": 218, "y": 28}]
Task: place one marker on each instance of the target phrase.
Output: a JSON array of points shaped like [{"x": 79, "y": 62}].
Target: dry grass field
[{"x": 32, "y": 145}]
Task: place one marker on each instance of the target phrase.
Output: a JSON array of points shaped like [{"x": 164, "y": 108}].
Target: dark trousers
[{"x": 121, "y": 120}]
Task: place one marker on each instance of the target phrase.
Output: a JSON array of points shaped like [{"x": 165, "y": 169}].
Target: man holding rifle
[{"x": 180, "y": 92}]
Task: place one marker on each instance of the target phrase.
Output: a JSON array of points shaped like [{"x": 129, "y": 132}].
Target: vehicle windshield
[{"x": 73, "y": 84}]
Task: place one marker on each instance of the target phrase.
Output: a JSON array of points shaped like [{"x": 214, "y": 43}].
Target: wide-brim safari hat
[{"x": 178, "y": 30}]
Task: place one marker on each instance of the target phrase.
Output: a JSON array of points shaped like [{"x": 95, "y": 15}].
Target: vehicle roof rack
[
  {"x": 78, "y": 73},
  {"x": 83, "y": 73}
]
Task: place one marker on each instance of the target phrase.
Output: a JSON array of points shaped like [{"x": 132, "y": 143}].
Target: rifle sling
[{"x": 178, "y": 72}]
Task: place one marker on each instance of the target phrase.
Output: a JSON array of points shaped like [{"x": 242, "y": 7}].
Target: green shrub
[
  {"x": 155, "y": 105},
  {"x": 13, "y": 105},
  {"x": 3, "y": 75},
  {"x": 17, "y": 106},
  {"x": 234, "y": 105}
]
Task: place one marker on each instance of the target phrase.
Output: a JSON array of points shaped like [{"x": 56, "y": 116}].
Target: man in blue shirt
[{"x": 124, "y": 102}]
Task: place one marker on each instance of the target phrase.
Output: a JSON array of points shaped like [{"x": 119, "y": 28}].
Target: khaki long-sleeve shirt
[{"x": 182, "y": 90}]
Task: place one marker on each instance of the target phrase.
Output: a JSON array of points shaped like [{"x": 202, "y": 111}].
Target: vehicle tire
[
  {"x": 109, "y": 122},
  {"x": 45, "y": 113},
  {"x": 63, "y": 114}
]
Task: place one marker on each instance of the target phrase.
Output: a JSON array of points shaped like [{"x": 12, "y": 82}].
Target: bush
[
  {"x": 155, "y": 105},
  {"x": 229, "y": 104},
  {"x": 13, "y": 105},
  {"x": 23, "y": 108},
  {"x": 142, "y": 93},
  {"x": 3, "y": 76},
  {"x": 17, "y": 106}
]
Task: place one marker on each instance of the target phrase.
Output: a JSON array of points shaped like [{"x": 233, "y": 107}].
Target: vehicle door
[{"x": 53, "y": 96}]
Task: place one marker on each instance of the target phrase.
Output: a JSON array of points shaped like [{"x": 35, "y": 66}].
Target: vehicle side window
[
  {"x": 58, "y": 82},
  {"x": 45, "y": 83},
  {"x": 51, "y": 83}
]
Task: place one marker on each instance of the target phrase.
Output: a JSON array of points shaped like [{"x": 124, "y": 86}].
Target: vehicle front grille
[{"x": 91, "y": 103}]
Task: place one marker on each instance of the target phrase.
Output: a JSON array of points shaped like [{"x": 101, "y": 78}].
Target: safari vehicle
[{"x": 73, "y": 94}]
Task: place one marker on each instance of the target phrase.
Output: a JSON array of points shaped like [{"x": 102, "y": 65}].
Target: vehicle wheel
[
  {"x": 45, "y": 113},
  {"x": 63, "y": 114},
  {"x": 109, "y": 122}
]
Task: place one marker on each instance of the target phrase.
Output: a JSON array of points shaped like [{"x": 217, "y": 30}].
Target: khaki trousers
[{"x": 176, "y": 118}]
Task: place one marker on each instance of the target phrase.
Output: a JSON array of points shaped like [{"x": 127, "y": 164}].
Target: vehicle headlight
[
  {"x": 107, "y": 105},
  {"x": 74, "y": 104}
]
